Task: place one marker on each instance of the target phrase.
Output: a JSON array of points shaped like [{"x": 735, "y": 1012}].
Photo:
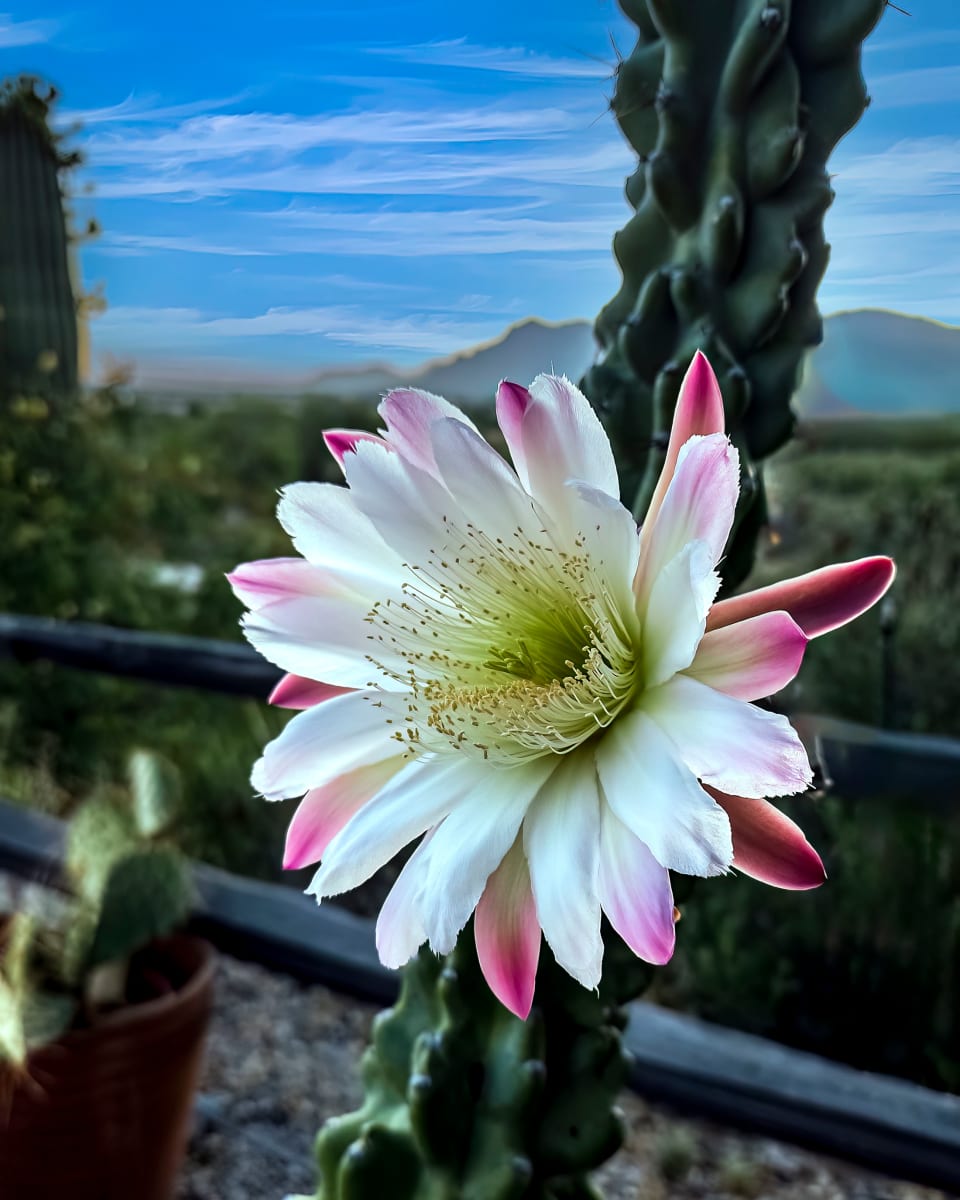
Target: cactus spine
[
  {"x": 38, "y": 309},
  {"x": 733, "y": 107}
]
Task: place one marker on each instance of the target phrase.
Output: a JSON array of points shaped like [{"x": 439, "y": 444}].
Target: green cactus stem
[
  {"x": 128, "y": 888},
  {"x": 733, "y": 107},
  {"x": 466, "y": 1102},
  {"x": 38, "y": 309}
]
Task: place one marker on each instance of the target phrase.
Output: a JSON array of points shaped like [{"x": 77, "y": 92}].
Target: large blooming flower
[{"x": 497, "y": 661}]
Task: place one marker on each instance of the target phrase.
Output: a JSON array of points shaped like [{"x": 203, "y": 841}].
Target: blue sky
[{"x": 291, "y": 185}]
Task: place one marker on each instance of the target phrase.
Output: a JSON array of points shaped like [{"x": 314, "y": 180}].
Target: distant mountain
[
  {"x": 875, "y": 363},
  {"x": 471, "y": 376},
  {"x": 872, "y": 363}
]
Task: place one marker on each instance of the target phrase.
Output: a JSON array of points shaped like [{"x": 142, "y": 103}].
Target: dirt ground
[{"x": 282, "y": 1058}]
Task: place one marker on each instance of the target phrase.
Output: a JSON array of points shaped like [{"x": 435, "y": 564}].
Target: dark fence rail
[
  {"x": 736, "y": 1078},
  {"x": 857, "y": 761},
  {"x": 168, "y": 658}
]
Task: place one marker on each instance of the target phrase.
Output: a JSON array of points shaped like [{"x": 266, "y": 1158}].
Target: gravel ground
[{"x": 282, "y": 1058}]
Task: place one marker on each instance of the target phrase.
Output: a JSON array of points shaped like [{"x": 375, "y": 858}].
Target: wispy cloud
[
  {"x": 506, "y": 60},
  {"x": 133, "y": 244},
  {"x": 921, "y": 85},
  {"x": 182, "y": 330},
  {"x": 917, "y": 40},
  {"x": 146, "y": 109},
  {"x": 25, "y": 33},
  {"x": 911, "y": 167},
  {"x": 221, "y": 137}
]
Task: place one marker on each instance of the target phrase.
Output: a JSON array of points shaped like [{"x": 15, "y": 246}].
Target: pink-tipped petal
[
  {"x": 324, "y": 811},
  {"x": 699, "y": 412},
  {"x": 819, "y": 601},
  {"x": 698, "y": 506},
  {"x": 342, "y": 441},
  {"x": 558, "y": 437},
  {"x": 635, "y": 891},
  {"x": 659, "y": 800},
  {"x": 469, "y": 845},
  {"x": 508, "y": 934},
  {"x": 416, "y": 800},
  {"x": 294, "y": 691},
  {"x": 409, "y": 414},
  {"x": 512, "y": 402},
  {"x": 752, "y": 659},
  {"x": 770, "y": 847},
  {"x": 268, "y": 579}
]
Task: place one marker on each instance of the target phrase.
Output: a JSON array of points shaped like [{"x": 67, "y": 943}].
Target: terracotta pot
[{"x": 104, "y": 1113}]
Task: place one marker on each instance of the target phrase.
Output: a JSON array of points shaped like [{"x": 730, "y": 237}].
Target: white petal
[
  {"x": 409, "y": 414},
  {"x": 610, "y": 537},
  {"x": 419, "y": 797},
  {"x": 470, "y": 844},
  {"x": 561, "y": 839},
  {"x": 323, "y": 637},
  {"x": 732, "y": 745},
  {"x": 329, "y": 530},
  {"x": 482, "y": 484},
  {"x": 410, "y": 510},
  {"x": 676, "y": 613},
  {"x": 660, "y": 801},
  {"x": 400, "y": 928},
  {"x": 321, "y": 743}
]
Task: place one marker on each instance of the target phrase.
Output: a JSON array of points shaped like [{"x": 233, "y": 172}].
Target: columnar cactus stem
[
  {"x": 38, "y": 310},
  {"x": 733, "y": 107},
  {"x": 466, "y": 1102}
]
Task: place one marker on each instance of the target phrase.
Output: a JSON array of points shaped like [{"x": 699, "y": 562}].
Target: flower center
[{"x": 513, "y": 648}]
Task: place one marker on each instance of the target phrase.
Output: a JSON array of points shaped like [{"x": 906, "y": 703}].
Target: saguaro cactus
[
  {"x": 733, "y": 107},
  {"x": 38, "y": 310}
]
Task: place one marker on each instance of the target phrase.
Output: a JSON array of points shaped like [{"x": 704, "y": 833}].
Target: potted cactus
[{"x": 103, "y": 1008}]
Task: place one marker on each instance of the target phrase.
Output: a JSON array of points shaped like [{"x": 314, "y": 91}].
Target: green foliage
[
  {"x": 865, "y": 970},
  {"x": 733, "y": 115},
  {"x": 466, "y": 1102},
  {"x": 836, "y": 497},
  {"x": 38, "y": 312},
  {"x": 128, "y": 888}
]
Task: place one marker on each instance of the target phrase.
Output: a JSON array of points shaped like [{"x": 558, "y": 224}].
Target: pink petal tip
[
  {"x": 294, "y": 691},
  {"x": 341, "y": 442},
  {"x": 770, "y": 847}
]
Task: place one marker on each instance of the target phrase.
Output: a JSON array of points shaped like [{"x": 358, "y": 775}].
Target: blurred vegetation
[
  {"x": 97, "y": 503},
  {"x": 95, "y": 500},
  {"x": 865, "y": 969},
  {"x": 850, "y": 488}
]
